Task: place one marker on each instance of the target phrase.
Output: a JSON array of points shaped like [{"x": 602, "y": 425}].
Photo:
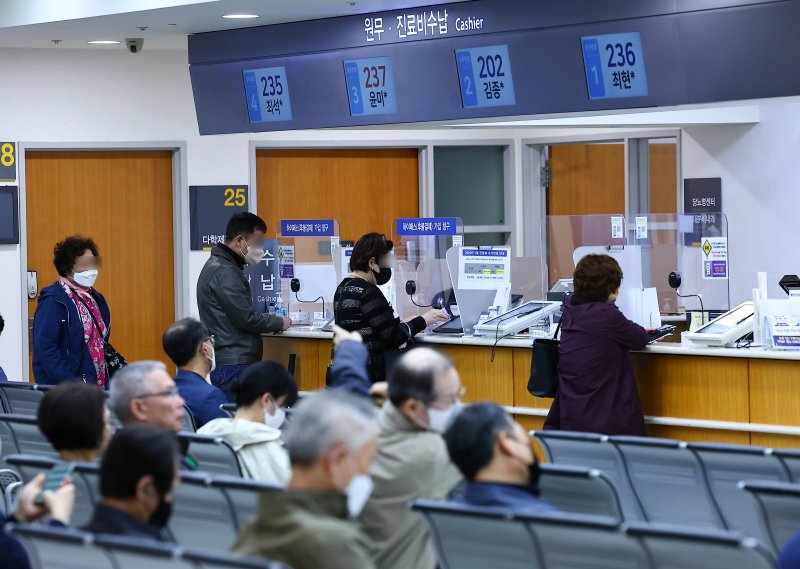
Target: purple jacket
[{"x": 596, "y": 387}]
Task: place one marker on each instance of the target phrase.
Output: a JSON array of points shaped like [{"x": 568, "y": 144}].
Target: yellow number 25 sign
[{"x": 8, "y": 161}]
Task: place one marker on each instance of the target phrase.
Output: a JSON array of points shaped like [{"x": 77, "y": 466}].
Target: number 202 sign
[
  {"x": 485, "y": 76},
  {"x": 267, "y": 93},
  {"x": 614, "y": 66},
  {"x": 370, "y": 86}
]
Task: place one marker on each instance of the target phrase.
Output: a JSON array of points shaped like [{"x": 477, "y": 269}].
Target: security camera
[{"x": 134, "y": 45}]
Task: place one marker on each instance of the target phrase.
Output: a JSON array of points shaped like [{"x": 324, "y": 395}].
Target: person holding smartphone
[{"x": 58, "y": 503}]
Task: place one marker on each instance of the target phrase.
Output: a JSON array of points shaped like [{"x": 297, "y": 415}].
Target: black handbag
[
  {"x": 114, "y": 360},
  {"x": 543, "y": 381}
]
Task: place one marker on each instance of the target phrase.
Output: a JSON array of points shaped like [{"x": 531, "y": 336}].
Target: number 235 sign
[{"x": 210, "y": 208}]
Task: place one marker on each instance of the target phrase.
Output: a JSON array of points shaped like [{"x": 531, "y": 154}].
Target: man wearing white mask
[
  {"x": 331, "y": 443},
  {"x": 190, "y": 346},
  {"x": 263, "y": 393},
  {"x": 226, "y": 303},
  {"x": 412, "y": 462}
]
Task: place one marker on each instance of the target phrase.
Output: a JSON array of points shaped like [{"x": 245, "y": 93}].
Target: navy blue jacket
[
  {"x": 202, "y": 399},
  {"x": 349, "y": 369},
  {"x": 517, "y": 499},
  {"x": 12, "y": 553},
  {"x": 789, "y": 557},
  {"x": 59, "y": 350}
]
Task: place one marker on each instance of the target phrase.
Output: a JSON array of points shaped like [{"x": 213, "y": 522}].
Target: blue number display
[
  {"x": 485, "y": 76},
  {"x": 267, "y": 92},
  {"x": 370, "y": 86},
  {"x": 614, "y": 66}
]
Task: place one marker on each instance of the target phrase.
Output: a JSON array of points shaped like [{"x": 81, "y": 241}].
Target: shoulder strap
[{"x": 558, "y": 328}]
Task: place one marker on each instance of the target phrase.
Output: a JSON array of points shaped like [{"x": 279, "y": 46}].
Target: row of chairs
[
  {"x": 20, "y": 434},
  {"x": 65, "y": 548},
  {"x": 668, "y": 481},
  {"x": 207, "y": 512},
  {"x": 476, "y": 538}
]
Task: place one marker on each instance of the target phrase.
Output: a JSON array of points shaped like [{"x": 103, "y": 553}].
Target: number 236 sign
[
  {"x": 614, "y": 66},
  {"x": 210, "y": 208}
]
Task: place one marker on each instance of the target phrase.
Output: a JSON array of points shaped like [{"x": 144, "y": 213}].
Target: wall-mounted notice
[
  {"x": 426, "y": 226},
  {"x": 286, "y": 261},
  {"x": 714, "y": 257},
  {"x": 267, "y": 93},
  {"x": 264, "y": 278},
  {"x": 9, "y": 215},
  {"x": 614, "y": 66},
  {"x": 210, "y": 208},
  {"x": 8, "y": 161},
  {"x": 485, "y": 76},
  {"x": 370, "y": 86},
  {"x": 617, "y": 227},
  {"x": 641, "y": 227},
  {"x": 307, "y": 227},
  {"x": 484, "y": 269}
]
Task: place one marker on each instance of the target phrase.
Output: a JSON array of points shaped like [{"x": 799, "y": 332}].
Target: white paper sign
[
  {"x": 616, "y": 227},
  {"x": 458, "y": 240},
  {"x": 484, "y": 269},
  {"x": 286, "y": 261},
  {"x": 641, "y": 227},
  {"x": 784, "y": 330},
  {"x": 714, "y": 258}
]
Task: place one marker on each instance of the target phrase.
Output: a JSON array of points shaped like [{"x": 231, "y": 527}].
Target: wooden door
[
  {"x": 365, "y": 189},
  {"x": 123, "y": 201},
  {"x": 586, "y": 179}
]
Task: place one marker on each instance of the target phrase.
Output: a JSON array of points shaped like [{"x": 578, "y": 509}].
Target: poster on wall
[
  {"x": 210, "y": 208},
  {"x": 484, "y": 269},
  {"x": 702, "y": 197},
  {"x": 714, "y": 258},
  {"x": 264, "y": 277}
]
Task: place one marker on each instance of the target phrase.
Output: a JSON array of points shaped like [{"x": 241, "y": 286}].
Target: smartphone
[{"x": 54, "y": 479}]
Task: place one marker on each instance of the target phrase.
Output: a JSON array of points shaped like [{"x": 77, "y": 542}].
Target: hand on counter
[
  {"x": 435, "y": 316},
  {"x": 340, "y": 335},
  {"x": 286, "y": 323}
]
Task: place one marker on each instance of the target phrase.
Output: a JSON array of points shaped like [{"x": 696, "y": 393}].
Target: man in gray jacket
[
  {"x": 412, "y": 462},
  {"x": 226, "y": 303}
]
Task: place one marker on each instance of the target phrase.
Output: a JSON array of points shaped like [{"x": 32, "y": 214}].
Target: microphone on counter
[
  {"x": 411, "y": 290},
  {"x": 674, "y": 280},
  {"x": 295, "y": 286}
]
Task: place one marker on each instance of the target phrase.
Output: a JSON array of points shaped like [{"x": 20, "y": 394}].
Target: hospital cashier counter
[{"x": 729, "y": 395}]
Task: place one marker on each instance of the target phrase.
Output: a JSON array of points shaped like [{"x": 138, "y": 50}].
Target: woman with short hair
[
  {"x": 597, "y": 389},
  {"x": 74, "y": 418},
  {"x": 72, "y": 321}
]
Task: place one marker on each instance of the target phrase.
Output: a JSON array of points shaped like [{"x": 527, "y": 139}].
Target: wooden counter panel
[
  {"x": 693, "y": 435},
  {"x": 485, "y": 380},
  {"x": 693, "y": 387},
  {"x": 310, "y": 364},
  {"x": 522, "y": 372},
  {"x": 775, "y": 392},
  {"x": 774, "y": 441}
]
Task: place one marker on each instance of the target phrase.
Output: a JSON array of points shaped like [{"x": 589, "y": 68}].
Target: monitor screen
[
  {"x": 519, "y": 312},
  {"x": 729, "y": 320}
]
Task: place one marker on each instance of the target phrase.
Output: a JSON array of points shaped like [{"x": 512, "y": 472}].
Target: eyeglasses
[{"x": 171, "y": 392}]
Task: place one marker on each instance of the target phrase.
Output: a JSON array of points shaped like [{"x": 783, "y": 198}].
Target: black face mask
[
  {"x": 160, "y": 517},
  {"x": 382, "y": 277}
]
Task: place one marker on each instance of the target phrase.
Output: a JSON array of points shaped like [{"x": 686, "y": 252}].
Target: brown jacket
[
  {"x": 306, "y": 530},
  {"x": 410, "y": 464}
]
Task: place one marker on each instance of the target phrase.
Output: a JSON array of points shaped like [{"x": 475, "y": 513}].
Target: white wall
[{"x": 112, "y": 96}]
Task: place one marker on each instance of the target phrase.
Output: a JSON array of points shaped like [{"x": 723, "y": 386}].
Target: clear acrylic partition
[
  {"x": 528, "y": 278},
  {"x": 420, "y": 246},
  {"x": 695, "y": 245},
  {"x": 314, "y": 266}
]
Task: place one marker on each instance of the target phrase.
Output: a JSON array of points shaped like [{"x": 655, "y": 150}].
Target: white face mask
[
  {"x": 254, "y": 254},
  {"x": 85, "y": 278},
  {"x": 358, "y": 493},
  {"x": 213, "y": 358},
  {"x": 275, "y": 421},
  {"x": 440, "y": 419}
]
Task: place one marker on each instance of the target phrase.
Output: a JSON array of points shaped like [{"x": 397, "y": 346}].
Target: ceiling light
[
  {"x": 103, "y": 42},
  {"x": 240, "y": 16}
]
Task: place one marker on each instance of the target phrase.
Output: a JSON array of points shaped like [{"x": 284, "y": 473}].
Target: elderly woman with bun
[{"x": 597, "y": 389}]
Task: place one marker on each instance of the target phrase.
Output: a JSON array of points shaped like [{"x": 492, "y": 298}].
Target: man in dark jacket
[
  {"x": 137, "y": 477},
  {"x": 226, "y": 303},
  {"x": 190, "y": 346}
]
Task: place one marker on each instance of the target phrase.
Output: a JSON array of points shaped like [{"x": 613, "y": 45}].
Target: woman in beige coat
[{"x": 263, "y": 393}]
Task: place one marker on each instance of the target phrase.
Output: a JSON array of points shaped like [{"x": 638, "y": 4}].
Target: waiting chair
[
  {"x": 677, "y": 547},
  {"x": 214, "y": 560},
  {"x": 468, "y": 538},
  {"x": 29, "y": 439},
  {"x": 86, "y": 494},
  {"x": 579, "y": 490},
  {"x": 669, "y": 481},
  {"x": 228, "y": 408},
  {"x": 8, "y": 483},
  {"x": 189, "y": 424},
  {"x": 20, "y": 398},
  {"x": 779, "y": 508},
  {"x": 202, "y": 516},
  {"x": 592, "y": 451},
  {"x": 213, "y": 455},
  {"x": 791, "y": 461},
  {"x": 579, "y": 541},
  {"x": 60, "y": 548},
  {"x": 136, "y": 553},
  {"x": 725, "y": 467},
  {"x": 243, "y": 496}
]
